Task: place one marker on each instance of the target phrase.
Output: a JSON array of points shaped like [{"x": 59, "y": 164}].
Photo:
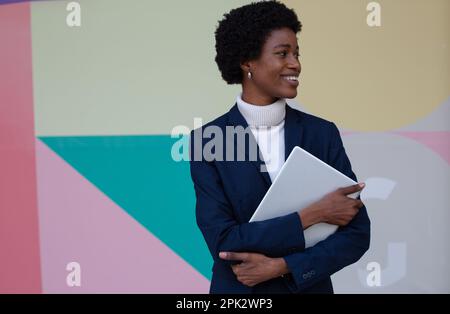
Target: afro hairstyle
[{"x": 243, "y": 31}]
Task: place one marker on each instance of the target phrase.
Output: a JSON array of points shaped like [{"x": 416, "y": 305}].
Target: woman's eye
[{"x": 285, "y": 53}]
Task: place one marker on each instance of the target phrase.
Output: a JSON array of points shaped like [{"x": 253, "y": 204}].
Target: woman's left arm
[{"x": 339, "y": 250}]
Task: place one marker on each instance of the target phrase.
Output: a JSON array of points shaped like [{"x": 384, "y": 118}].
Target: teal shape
[{"x": 139, "y": 174}]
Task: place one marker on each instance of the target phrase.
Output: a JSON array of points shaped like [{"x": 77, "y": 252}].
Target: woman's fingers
[{"x": 351, "y": 189}]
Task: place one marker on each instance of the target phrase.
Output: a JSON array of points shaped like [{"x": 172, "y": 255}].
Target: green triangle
[{"x": 139, "y": 174}]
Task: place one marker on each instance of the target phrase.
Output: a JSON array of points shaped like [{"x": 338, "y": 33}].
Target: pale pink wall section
[
  {"x": 116, "y": 254},
  {"x": 19, "y": 240},
  {"x": 438, "y": 141}
]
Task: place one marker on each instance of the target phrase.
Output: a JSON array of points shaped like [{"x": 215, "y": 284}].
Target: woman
[{"x": 257, "y": 47}]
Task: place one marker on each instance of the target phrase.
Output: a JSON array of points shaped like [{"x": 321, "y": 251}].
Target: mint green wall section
[
  {"x": 138, "y": 173},
  {"x": 133, "y": 67}
]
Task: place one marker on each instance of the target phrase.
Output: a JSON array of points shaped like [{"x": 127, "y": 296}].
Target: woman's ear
[{"x": 245, "y": 66}]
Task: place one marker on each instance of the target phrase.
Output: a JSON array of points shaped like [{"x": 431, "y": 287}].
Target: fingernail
[
  {"x": 223, "y": 255},
  {"x": 362, "y": 185}
]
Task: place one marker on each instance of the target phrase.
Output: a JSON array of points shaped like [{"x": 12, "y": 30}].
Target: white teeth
[{"x": 290, "y": 78}]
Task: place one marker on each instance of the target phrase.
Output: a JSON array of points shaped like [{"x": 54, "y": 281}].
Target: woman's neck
[{"x": 257, "y": 99}]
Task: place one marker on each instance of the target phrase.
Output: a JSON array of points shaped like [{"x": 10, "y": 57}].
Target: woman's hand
[
  {"x": 335, "y": 208},
  {"x": 255, "y": 268}
]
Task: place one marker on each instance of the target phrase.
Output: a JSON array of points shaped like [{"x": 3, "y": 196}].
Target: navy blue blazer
[{"x": 228, "y": 193}]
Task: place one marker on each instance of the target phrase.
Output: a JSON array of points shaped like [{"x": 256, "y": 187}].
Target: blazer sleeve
[
  {"x": 222, "y": 232},
  {"x": 346, "y": 246}
]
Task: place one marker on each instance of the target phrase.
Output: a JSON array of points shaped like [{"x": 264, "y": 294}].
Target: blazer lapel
[
  {"x": 293, "y": 130},
  {"x": 237, "y": 119}
]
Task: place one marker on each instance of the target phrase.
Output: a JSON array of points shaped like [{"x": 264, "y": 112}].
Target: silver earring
[{"x": 249, "y": 75}]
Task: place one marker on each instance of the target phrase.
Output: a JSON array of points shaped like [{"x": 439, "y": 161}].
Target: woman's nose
[{"x": 294, "y": 64}]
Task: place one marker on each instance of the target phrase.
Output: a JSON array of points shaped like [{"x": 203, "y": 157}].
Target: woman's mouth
[{"x": 291, "y": 79}]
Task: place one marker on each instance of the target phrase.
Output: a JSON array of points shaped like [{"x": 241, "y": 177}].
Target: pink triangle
[
  {"x": 438, "y": 141},
  {"x": 78, "y": 223}
]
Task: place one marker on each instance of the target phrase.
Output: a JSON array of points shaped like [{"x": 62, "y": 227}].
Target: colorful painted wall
[{"x": 86, "y": 113}]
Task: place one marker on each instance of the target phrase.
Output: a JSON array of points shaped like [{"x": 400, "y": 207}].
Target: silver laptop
[{"x": 303, "y": 180}]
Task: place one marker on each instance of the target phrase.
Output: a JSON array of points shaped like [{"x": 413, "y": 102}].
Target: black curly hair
[{"x": 242, "y": 33}]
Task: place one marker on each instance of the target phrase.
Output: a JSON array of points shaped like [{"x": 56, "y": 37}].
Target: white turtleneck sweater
[{"x": 267, "y": 126}]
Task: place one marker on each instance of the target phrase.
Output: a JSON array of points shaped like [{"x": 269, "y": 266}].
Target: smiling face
[{"x": 275, "y": 73}]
